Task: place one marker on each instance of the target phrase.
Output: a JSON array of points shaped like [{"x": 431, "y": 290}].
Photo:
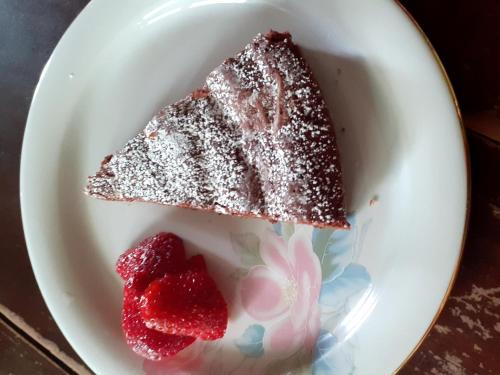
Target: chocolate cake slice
[{"x": 256, "y": 141}]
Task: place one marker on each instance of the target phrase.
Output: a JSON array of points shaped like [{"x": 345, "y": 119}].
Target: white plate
[{"x": 382, "y": 284}]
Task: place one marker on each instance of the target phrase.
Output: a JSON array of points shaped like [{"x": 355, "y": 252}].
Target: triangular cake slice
[{"x": 256, "y": 140}]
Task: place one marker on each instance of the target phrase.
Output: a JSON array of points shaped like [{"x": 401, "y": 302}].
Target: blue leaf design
[
  {"x": 319, "y": 240},
  {"x": 320, "y": 237},
  {"x": 330, "y": 358},
  {"x": 352, "y": 280},
  {"x": 342, "y": 240},
  {"x": 246, "y": 245},
  {"x": 338, "y": 254},
  {"x": 250, "y": 343},
  {"x": 334, "y": 249},
  {"x": 324, "y": 343},
  {"x": 339, "y": 242},
  {"x": 277, "y": 228},
  {"x": 284, "y": 230}
]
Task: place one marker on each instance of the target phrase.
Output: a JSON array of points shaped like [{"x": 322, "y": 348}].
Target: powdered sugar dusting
[{"x": 257, "y": 140}]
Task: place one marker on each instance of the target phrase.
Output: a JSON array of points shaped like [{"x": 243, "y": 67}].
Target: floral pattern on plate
[{"x": 301, "y": 296}]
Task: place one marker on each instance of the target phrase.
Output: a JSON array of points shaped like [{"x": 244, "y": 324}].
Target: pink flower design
[{"x": 286, "y": 288}]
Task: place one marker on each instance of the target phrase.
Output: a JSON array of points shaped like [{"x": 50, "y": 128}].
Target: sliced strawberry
[
  {"x": 151, "y": 259},
  {"x": 168, "y": 301},
  {"x": 186, "y": 304},
  {"x": 196, "y": 263},
  {"x": 147, "y": 342}
]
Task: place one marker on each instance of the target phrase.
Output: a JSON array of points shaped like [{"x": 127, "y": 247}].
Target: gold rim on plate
[{"x": 447, "y": 81}]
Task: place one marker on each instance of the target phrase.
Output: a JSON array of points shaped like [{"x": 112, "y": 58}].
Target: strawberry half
[
  {"x": 147, "y": 342},
  {"x": 151, "y": 259},
  {"x": 186, "y": 304},
  {"x": 196, "y": 263}
]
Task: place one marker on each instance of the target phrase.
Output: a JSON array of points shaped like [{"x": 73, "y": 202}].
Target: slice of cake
[{"x": 256, "y": 140}]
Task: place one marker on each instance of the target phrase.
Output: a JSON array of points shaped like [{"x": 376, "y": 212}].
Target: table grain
[{"x": 465, "y": 338}]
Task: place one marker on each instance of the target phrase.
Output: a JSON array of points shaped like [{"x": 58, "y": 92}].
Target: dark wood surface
[
  {"x": 29, "y": 31},
  {"x": 466, "y": 337},
  {"x": 19, "y": 356}
]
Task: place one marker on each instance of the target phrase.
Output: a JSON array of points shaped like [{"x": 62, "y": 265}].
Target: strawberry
[
  {"x": 187, "y": 304},
  {"x": 151, "y": 259},
  {"x": 168, "y": 301},
  {"x": 196, "y": 263},
  {"x": 147, "y": 342}
]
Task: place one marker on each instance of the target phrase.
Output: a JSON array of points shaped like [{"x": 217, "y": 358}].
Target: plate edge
[{"x": 465, "y": 229}]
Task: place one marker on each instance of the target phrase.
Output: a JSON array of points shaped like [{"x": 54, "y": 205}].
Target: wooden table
[{"x": 466, "y": 337}]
